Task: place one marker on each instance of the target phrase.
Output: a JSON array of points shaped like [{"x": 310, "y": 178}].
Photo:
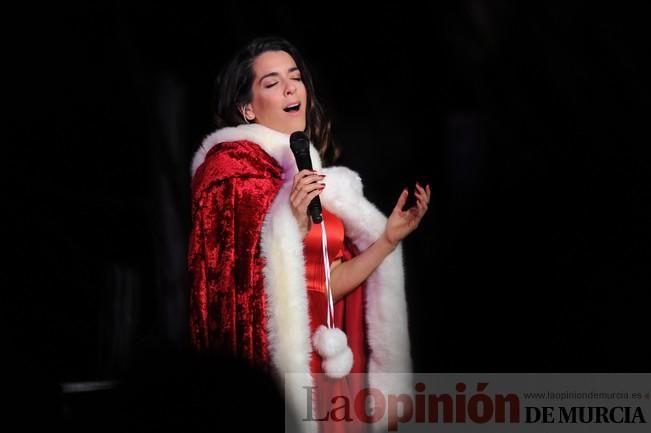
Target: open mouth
[{"x": 292, "y": 108}]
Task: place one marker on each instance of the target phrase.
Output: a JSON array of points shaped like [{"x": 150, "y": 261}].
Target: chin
[{"x": 293, "y": 127}]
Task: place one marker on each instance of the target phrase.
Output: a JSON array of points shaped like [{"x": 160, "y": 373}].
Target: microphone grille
[{"x": 298, "y": 142}]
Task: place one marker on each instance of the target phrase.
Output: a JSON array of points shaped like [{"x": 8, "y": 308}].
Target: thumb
[{"x": 402, "y": 199}]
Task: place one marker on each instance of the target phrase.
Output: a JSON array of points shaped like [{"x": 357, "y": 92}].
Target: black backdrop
[{"x": 530, "y": 122}]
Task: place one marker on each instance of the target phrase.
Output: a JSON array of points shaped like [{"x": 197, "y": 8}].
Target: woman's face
[{"x": 279, "y": 95}]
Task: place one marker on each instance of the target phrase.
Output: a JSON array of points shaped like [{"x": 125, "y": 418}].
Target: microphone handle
[{"x": 314, "y": 209}]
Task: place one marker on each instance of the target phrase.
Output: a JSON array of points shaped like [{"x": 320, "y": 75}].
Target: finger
[
  {"x": 295, "y": 192},
  {"x": 422, "y": 210},
  {"x": 292, "y": 195},
  {"x": 301, "y": 174},
  {"x": 297, "y": 199},
  {"x": 307, "y": 180},
  {"x": 304, "y": 191},
  {"x": 304, "y": 177},
  {"x": 401, "y": 200},
  {"x": 305, "y": 186},
  {"x": 308, "y": 189},
  {"x": 298, "y": 189},
  {"x": 308, "y": 198},
  {"x": 422, "y": 196},
  {"x": 422, "y": 207},
  {"x": 421, "y": 192}
]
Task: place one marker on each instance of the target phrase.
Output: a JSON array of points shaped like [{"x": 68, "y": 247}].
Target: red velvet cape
[{"x": 231, "y": 194}]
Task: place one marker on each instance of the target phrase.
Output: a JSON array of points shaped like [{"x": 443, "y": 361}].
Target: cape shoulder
[{"x": 234, "y": 159}]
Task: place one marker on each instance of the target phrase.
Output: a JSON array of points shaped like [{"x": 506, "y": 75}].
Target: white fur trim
[
  {"x": 275, "y": 143},
  {"x": 386, "y": 306},
  {"x": 288, "y": 324}
]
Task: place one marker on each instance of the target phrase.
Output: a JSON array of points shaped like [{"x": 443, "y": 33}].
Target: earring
[{"x": 244, "y": 116}]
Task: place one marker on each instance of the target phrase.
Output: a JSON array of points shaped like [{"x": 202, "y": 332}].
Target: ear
[{"x": 247, "y": 112}]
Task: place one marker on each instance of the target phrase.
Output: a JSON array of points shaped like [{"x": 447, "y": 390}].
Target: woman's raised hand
[{"x": 400, "y": 222}]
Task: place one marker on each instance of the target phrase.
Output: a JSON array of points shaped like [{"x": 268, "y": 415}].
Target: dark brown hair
[{"x": 233, "y": 89}]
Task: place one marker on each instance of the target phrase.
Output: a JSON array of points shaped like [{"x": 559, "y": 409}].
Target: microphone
[{"x": 300, "y": 146}]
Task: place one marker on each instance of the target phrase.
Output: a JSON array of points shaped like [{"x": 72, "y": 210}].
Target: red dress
[{"x": 349, "y": 317}]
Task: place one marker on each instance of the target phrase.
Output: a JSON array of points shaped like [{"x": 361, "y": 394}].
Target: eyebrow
[{"x": 275, "y": 74}]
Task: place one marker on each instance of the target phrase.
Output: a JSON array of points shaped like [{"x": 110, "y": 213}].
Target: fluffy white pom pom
[
  {"x": 339, "y": 365},
  {"x": 332, "y": 345},
  {"x": 328, "y": 342}
]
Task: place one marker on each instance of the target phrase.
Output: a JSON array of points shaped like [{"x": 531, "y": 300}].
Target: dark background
[{"x": 530, "y": 122}]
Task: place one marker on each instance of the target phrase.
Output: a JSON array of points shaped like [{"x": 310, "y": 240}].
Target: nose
[{"x": 290, "y": 88}]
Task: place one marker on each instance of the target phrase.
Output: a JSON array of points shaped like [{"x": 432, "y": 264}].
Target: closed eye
[{"x": 270, "y": 85}]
